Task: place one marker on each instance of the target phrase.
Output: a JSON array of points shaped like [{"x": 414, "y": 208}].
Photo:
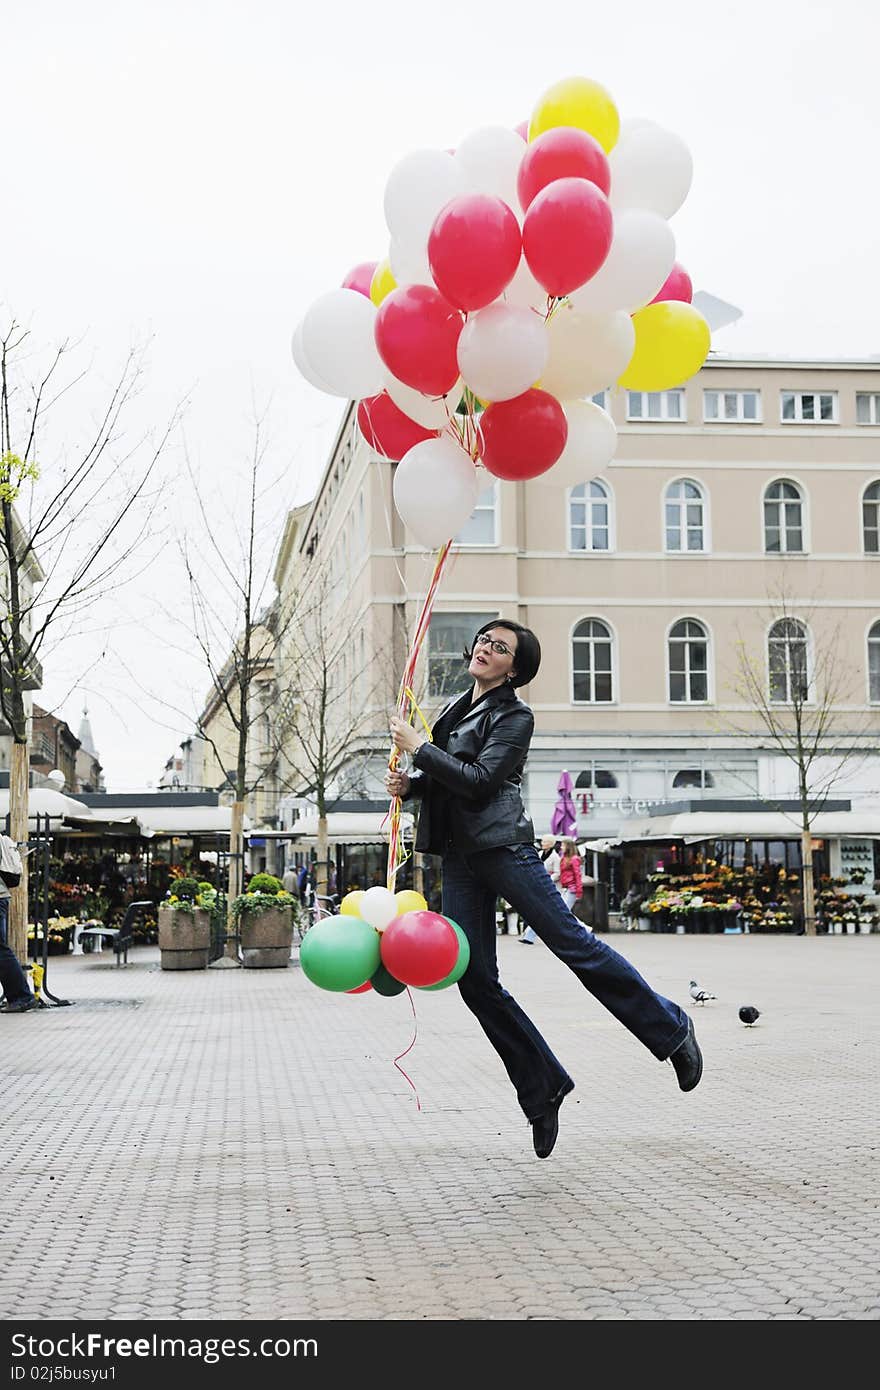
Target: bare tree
[
  {"x": 70, "y": 530},
  {"x": 328, "y": 683},
  {"x": 797, "y": 686}
]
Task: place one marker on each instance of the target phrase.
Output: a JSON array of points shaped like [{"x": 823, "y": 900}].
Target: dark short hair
[{"x": 528, "y": 649}]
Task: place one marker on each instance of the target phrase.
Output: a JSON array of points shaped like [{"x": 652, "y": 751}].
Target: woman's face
[{"x": 494, "y": 656}]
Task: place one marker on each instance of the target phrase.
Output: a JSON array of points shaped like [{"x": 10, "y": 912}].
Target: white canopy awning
[
  {"x": 183, "y": 820},
  {"x": 350, "y": 828},
  {"x": 46, "y": 801},
  {"x": 693, "y": 826}
]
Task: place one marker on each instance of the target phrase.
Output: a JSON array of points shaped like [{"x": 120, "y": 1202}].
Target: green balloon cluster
[{"x": 340, "y": 953}]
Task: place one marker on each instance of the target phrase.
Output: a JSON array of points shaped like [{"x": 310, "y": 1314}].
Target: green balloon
[
  {"x": 460, "y": 966},
  {"x": 383, "y": 982},
  {"x": 339, "y": 953}
]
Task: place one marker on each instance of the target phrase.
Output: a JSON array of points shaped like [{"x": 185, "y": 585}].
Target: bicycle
[{"x": 315, "y": 910}]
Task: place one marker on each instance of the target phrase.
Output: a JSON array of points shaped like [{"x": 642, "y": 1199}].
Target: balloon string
[
  {"x": 407, "y": 706},
  {"x": 409, "y": 1049}
]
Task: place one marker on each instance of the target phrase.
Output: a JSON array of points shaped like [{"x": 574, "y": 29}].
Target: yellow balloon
[
  {"x": 351, "y": 903},
  {"x": 407, "y": 900},
  {"x": 672, "y": 343},
  {"x": 579, "y": 102},
  {"x": 382, "y": 283}
]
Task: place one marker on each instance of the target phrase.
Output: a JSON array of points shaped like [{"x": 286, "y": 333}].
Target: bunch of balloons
[
  {"x": 527, "y": 270},
  {"x": 384, "y": 941}
]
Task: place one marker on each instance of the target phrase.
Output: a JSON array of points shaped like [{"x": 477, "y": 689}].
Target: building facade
[
  {"x": 727, "y": 556},
  {"x": 53, "y": 745}
]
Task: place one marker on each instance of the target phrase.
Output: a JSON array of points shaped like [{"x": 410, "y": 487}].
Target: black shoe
[
  {"x": 20, "y": 1006},
  {"x": 687, "y": 1059},
  {"x": 545, "y": 1129}
]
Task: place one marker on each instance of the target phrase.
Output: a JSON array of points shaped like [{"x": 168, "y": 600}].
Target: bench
[{"x": 121, "y": 937}]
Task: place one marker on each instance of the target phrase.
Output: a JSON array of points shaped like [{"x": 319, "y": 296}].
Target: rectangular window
[
  {"x": 448, "y": 636},
  {"x": 601, "y": 398},
  {"x": 809, "y": 407},
  {"x": 735, "y": 407},
  {"x": 868, "y": 407},
  {"x": 655, "y": 405},
  {"x": 480, "y": 527}
]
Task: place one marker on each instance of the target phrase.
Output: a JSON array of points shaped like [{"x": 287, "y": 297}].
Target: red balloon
[
  {"x": 561, "y": 153},
  {"x": 360, "y": 277},
  {"x": 417, "y": 333},
  {"x": 361, "y": 989},
  {"x": 567, "y": 234},
  {"x": 386, "y": 429},
  {"x": 419, "y": 948},
  {"x": 474, "y": 249},
  {"x": 523, "y": 437},
  {"x": 677, "y": 285}
]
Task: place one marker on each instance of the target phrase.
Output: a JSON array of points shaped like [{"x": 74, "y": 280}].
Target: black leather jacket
[{"x": 469, "y": 780}]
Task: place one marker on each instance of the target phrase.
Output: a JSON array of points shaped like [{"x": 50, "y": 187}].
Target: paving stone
[{"x": 269, "y": 1179}]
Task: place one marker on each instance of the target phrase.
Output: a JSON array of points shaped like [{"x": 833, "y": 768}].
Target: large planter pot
[
  {"x": 184, "y": 937},
  {"x": 266, "y": 937}
]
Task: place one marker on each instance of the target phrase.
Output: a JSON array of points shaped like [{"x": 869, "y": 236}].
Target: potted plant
[
  {"x": 263, "y": 917},
  {"x": 184, "y": 927}
]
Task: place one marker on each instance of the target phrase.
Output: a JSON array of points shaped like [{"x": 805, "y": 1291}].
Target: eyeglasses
[{"x": 500, "y": 648}]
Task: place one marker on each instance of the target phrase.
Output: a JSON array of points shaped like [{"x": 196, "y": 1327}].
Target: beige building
[{"x": 738, "y": 526}]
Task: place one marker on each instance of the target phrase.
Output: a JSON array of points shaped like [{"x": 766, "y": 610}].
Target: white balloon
[
  {"x": 502, "y": 351},
  {"x": 431, "y": 412},
  {"x": 303, "y": 365},
  {"x": 378, "y": 907},
  {"x": 490, "y": 160},
  {"x": 418, "y": 186},
  {"x": 650, "y": 168},
  {"x": 409, "y": 262},
  {"x": 587, "y": 351},
  {"x": 641, "y": 257},
  {"x": 524, "y": 291},
  {"x": 592, "y": 437},
  {"x": 338, "y": 343},
  {"x": 435, "y": 490}
]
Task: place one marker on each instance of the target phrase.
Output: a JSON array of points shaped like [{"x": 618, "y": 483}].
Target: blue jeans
[
  {"x": 12, "y": 977},
  {"x": 471, "y": 885}
]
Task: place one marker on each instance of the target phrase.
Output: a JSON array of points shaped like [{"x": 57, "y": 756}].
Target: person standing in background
[
  {"x": 571, "y": 877},
  {"x": 17, "y": 997},
  {"x": 550, "y": 858}
]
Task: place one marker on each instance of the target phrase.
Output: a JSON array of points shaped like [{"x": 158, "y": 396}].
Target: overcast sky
[{"x": 196, "y": 172}]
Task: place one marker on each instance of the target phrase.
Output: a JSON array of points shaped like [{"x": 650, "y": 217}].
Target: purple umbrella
[{"x": 564, "y": 819}]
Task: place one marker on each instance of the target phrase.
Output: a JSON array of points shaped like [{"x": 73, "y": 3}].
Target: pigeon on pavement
[
  {"x": 698, "y": 995},
  {"x": 749, "y": 1014}
]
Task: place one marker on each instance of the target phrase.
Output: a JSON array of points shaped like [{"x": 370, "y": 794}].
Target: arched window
[
  {"x": 688, "y": 662},
  {"x": 591, "y": 662},
  {"x": 874, "y": 664},
  {"x": 693, "y": 777},
  {"x": 783, "y": 518},
  {"x": 598, "y": 777},
  {"x": 871, "y": 519},
  {"x": 685, "y": 519},
  {"x": 787, "y": 659},
  {"x": 589, "y": 517}
]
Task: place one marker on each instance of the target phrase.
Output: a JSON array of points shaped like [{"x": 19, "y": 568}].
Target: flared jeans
[{"x": 472, "y": 884}]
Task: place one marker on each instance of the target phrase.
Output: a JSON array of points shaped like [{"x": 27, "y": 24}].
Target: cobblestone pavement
[{"x": 238, "y": 1144}]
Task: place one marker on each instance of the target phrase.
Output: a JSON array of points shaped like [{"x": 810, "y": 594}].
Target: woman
[
  {"x": 571, "y": 878},
  {"x": 468, "y": 777}
]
